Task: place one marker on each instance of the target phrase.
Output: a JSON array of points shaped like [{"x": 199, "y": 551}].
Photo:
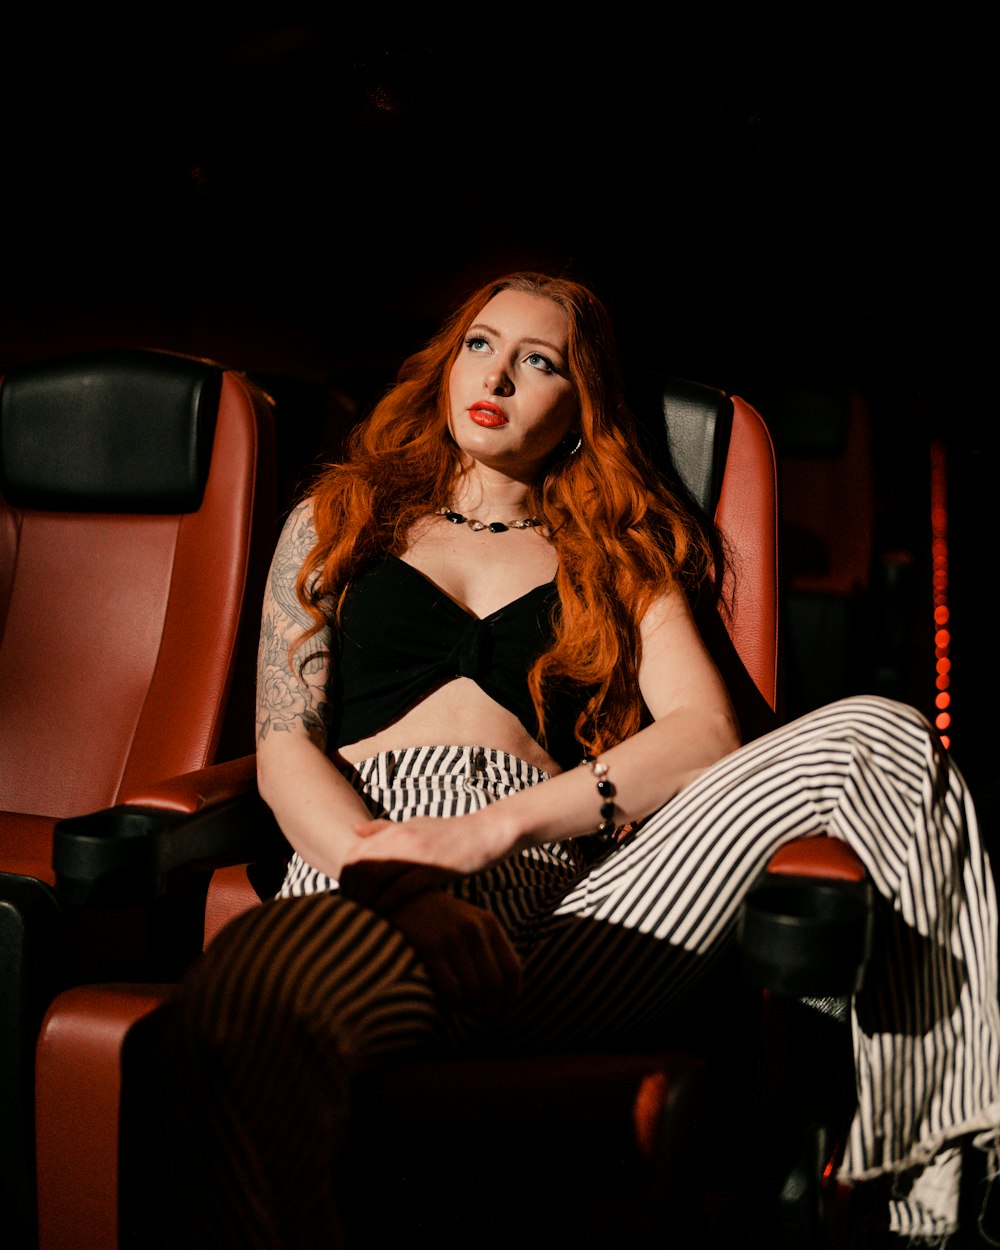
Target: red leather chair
[
  {"x": 625, "y": 1121},
  {"x": 137, "y": 519}
]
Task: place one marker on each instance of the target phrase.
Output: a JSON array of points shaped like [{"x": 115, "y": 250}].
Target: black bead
[
  {"x": 607, "y": 811},
  {"x": 455, "y": 518},
  {"x": 496, "y": 527},
  {"x": 605, "y": 788}
]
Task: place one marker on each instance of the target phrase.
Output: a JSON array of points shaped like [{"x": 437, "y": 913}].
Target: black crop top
[{"x": 401, "y": 636}]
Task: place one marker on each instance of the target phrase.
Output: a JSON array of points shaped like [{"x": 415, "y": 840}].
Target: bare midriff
[{"x": 458, "y": 713}]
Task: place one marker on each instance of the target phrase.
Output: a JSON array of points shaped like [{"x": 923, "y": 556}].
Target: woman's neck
[{"x": 488, "y": 495}]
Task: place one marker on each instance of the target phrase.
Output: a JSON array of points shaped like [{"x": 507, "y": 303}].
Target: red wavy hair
[{"x": 621, "y": 534}]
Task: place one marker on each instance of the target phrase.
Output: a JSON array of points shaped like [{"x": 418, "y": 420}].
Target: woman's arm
[
  {"x": 314, "y": 804},
  {"x": 694, "y": 725},
  {"x": 467, "y": 954}
]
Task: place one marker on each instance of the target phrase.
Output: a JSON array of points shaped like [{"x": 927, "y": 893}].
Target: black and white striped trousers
[{"x": 299, "y": 995}]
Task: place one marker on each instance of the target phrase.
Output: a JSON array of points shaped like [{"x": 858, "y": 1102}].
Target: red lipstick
[{"x": 487, "y": 414}]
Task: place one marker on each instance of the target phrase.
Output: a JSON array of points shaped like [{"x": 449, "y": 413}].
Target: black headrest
[
  {"x": 108, "y": 431},
  {"x": 688, "y": 425}
]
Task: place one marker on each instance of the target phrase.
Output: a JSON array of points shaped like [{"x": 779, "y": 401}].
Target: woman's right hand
[{"x": 470, "y": 959}]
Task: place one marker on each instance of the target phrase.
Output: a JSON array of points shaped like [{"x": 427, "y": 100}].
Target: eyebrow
[{"x": 560, "y": 351}]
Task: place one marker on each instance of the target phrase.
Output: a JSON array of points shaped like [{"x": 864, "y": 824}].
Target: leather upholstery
[
  {"x": 646, "y": 1094},
  {"x": 118, "y": 431},
  {"x": 79, "y": 1086},
  {"x": 137, "y": 520},
  {"x": 833, "y": 859},
  {"x": 747, "y": 516},
  {"x": 121, "y": 632}
]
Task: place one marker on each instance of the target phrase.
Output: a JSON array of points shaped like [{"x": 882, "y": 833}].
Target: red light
[{"x": 939, "y": 581}]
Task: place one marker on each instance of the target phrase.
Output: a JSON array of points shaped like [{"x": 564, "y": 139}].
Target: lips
[{"x": 487, "y": 414}]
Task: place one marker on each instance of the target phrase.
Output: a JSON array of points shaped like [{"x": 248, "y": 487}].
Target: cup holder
[{"x": 804, "y": 936}]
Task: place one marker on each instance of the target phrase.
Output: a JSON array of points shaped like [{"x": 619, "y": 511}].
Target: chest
[{"x": 482, "y": 572}]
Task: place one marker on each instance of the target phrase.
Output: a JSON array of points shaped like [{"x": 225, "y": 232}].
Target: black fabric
[
  {"x": 390, "y": 659},
  {"x": 109, "y": 431}
]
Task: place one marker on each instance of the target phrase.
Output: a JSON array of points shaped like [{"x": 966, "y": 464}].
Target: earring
[{"x": 568, "y": 450}]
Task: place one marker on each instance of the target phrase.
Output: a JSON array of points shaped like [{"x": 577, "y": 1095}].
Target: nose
[{"x": 498, "y": 381}]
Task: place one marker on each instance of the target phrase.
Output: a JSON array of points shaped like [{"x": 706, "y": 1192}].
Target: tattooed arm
[
  {"x": 315, "y": 806},
  {"x": 468, "y": 956}
]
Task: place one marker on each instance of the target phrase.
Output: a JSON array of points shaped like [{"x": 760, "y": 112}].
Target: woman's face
[{"x": 511, "y": 398}]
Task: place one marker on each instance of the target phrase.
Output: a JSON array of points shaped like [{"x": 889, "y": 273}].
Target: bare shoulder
[{"x": 291, "y": 678}]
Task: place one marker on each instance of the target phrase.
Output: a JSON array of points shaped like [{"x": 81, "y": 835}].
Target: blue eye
[
  {"x": 476, "y": 343},
  {"x": 538, "y": 361}
]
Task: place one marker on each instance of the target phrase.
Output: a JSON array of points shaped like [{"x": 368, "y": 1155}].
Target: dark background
[{"x": 800, "y": 212}]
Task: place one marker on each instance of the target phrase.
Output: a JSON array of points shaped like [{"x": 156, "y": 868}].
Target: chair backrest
[
  {"x": 137, "y": 519},
  {"x": 719, "y": 448}
]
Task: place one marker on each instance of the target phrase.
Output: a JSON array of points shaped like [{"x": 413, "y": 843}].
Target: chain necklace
[{"x": 495, "y": 527}]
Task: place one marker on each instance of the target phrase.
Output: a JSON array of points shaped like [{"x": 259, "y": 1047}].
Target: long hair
[{"x": 621, "y": 535}]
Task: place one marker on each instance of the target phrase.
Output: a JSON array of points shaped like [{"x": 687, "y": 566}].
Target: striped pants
[{"x": 305, "y": 992}]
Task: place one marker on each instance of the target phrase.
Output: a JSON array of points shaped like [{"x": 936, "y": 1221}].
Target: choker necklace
[{"x": 495, "y": 527}]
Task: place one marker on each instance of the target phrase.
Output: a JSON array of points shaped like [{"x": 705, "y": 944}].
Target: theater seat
[
  {"x": 137, "y": 518},
  {"x": 633, "y": 1125}
]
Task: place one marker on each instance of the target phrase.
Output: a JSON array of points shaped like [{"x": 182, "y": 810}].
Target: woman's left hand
[
  {"x": 459, "y": 845},
  {"x": 394, "y": 860}
]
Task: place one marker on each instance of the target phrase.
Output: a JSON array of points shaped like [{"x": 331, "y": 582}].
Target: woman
[{"x": 494, "y": 586}]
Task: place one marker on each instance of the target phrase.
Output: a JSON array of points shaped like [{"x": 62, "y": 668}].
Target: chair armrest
[
  {"x": 203, "y": 819},
  {"x": 205, "y": 787},
  {"x": 817, "y": 857},
  {"x": 805, "y": 927}
]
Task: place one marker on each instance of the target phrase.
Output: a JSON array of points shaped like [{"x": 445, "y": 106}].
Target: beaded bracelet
[{"x": 606, "y": 793}]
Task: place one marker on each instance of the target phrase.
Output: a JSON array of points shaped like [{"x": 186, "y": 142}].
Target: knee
[
  {"x": 877, "y": 712},
  {"x": 251, "y": 973},
  {"x": 881, "y": 727},
  {"x": 317, "y": 973}
]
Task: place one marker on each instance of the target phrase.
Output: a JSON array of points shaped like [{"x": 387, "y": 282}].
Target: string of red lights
[{"x": 942, "y": 616}]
